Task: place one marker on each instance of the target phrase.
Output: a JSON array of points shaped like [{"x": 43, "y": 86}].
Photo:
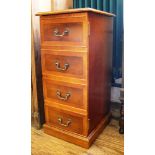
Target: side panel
[{"x": 100, "y": 62}]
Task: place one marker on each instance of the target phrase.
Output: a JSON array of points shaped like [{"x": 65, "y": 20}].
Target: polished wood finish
[
  {"x": 76, "y": 11},
  {"x": 100, "y": 60},
  {"x": 85, "y": 142},
  {"x": 110, "y": 142},
  {"x": 77, "y": 92},
  {"x": 74, "y": 29},
  {"x": 76, "y": 62},
  {"x": 75, "y": 23},
  {"x": 76, "y": 68},
  {"x": 76, "y": 120}
]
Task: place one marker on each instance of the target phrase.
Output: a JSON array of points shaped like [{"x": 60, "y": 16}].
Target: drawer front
[
  {"x": 73, "y": 95},
  {"x": 70, "y": 32},
  {"x": 64, "y": 31},
  {"x": 64, "y": 120},
  {"x": 64, "y": 64}
]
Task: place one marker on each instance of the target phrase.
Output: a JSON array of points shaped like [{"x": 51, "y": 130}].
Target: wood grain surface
[
  {"x": 75, "y": 23},
  {"x": 90, "y": 67},
  {"x": 77, "y": 93},
  {"x": 77, "y": 62},
  {"x": 100, "y": 62},
  {"x": 76, "y": 121},
  {"x": 74, "y": 11},
  {"x": 110, "y": 142}
]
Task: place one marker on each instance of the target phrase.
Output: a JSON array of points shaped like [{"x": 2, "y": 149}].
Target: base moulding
[{"x": 82, "y": 141}]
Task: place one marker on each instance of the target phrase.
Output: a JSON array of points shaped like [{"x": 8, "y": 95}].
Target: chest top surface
[{"x": 75, "y": 11}]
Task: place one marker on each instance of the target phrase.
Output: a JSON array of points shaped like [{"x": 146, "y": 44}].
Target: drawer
[
  {"x": 64, "y": 120},
  {"x": 72, "y": 64},
  {"x": 64, "y": 31},
  {"x": 74, "y": 95}
]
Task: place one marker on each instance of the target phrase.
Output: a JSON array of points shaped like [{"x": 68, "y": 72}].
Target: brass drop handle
[
  {"x": 60, "y": 121},
  {"x": 65, "y": 98},
  {"x": 66, "y": 65},
  {"x": 57, "y": 33}
]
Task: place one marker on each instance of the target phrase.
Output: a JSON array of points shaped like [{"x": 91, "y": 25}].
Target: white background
[{"x": 15, "y": 77}]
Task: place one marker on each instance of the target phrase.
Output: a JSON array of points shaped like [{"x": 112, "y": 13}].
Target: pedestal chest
[{"x": 76, "y": 56}]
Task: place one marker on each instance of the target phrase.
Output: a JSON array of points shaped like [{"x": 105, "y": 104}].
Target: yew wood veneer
[{"x": 76, "y": 55}]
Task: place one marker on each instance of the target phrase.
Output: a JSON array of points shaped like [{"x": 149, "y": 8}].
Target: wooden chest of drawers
[{"x": 76, "y": 49}]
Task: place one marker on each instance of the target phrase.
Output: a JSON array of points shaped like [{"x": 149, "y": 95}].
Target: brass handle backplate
[
  {"x": 65, "y": 98},
  {"x": 57, "y": 33},
  {"x": 60, "y": 121},
  {"x": 66, "y": 65}
]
